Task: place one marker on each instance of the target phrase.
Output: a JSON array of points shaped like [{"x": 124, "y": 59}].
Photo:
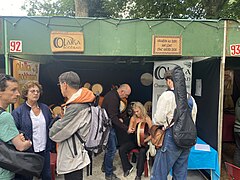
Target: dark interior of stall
[
  {"x": 106, "y": 74},
  {"x": 231, "y": 94},
  {"x": 207, "y": 117}
]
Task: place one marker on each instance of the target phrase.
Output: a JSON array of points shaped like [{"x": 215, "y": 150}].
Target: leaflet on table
[{"x": 202, "y": 147}]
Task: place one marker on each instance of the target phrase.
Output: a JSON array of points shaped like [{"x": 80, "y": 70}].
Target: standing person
[
  {"x": 140, "y": 115},
  {"x": 8, "y": 131},
  {"x": 33, "y": 118},
  {"x": 169, "y": 156},
  {"x": 71, "y": 156},
  {"x": 236, "y": 157},
  {"x": 111, "y": 104}
]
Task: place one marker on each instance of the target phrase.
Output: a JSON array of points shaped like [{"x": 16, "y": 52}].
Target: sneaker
[
  {"x": 128, "y": 172},
  {"x": 138, "y": 178},
  {"x": 103, "y": 168},
  {"x": 112, "y": 177}
]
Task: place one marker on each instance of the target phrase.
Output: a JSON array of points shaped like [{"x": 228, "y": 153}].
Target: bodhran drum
[
  {"x": 142, "y": 133},
  {"x": 123, "y": 105},
  {"x": 87, "y": 85},
  {"x": 97, "y": 89}
]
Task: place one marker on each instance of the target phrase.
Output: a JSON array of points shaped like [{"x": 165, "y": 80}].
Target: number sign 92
[
  {"x": 15, "y": 46},
  {"x": 235, "y": 49}
]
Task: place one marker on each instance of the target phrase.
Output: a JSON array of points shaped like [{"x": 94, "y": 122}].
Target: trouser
[
  {"x": 168, "y": 157},
  {"x": 76, "y": 175},
  {"x": 110, "y": 152},
  {"x": 236, "y": 158},
  {"x": 123, "y": 152}
]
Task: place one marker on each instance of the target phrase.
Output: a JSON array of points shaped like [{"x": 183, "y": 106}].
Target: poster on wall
[
  {"x": 25, "y": 71},
  {"x": 159, "y": 84}
]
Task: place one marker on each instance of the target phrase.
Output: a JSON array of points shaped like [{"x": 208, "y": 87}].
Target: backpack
[
  {"x": 184, "y": 129},
  {"x": 99, "y": 130}
]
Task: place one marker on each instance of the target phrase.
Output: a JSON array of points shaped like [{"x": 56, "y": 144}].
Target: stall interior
[{"x": 231, "y": 94}]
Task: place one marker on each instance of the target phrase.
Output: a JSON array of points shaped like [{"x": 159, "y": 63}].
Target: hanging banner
[
  {"x": 159, "y": 83},
  {"x": 25, "y": 71}
]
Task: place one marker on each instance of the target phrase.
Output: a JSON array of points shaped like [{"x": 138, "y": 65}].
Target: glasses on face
[{"x": 34, "y": 91}]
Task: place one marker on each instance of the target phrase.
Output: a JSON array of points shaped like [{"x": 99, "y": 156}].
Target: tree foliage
[
  {"x": 193, "y": 9},
  {"x": 62, "y": 7},
  {"x": 49, "y": 7}
]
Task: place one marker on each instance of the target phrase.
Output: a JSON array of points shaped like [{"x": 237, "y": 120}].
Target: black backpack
[{"x": 184, "y": 129}]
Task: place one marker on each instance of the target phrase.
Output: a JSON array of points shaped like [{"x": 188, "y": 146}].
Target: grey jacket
[{"x": 76, "y": 118}]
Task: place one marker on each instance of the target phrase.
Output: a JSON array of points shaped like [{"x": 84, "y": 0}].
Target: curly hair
[{"x": 29, "y": 85}]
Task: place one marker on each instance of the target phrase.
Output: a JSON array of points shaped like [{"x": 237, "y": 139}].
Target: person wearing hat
[
  {"x": 76, "y": 118},
  {"x": 169, "y": 156}
]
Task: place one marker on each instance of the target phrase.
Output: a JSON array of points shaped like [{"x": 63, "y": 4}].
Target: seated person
[{"x": 139, "y": 115}]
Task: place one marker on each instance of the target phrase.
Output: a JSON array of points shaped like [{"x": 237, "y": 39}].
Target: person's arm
[
  {"x": 73, "y": 120},
  {"x": 165, "y": 109},
  {"x": 131, "y": 127},
  {"x": 113, "y": 113},
  {"x": 20, "y": 143},
  {"x": 149, "y": 123}
]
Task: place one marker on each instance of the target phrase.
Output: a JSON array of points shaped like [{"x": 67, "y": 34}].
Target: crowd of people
[{"x": 31, "y": 128}]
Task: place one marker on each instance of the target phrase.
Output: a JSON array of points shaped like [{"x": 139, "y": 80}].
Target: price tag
[
  {"x": 15, "y": 46},
  {"x": 235, "y": 49}
]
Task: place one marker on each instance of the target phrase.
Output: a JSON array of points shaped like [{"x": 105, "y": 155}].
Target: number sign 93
[
  {"x": 15, "y": 46},
  {"x": 235, "y": 49}
]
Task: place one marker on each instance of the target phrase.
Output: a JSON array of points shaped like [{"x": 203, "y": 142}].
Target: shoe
[
  {"x": 138, "y": 178},
  {"x": 128, "y": 172},
  {"x": 103, "y": 168},
  {"x": 112, "y": 177}
]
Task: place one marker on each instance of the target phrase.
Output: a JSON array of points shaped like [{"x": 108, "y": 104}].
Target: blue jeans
[
  {"x": 168, "y": 157},
  {"x": 110, "y": 153}
]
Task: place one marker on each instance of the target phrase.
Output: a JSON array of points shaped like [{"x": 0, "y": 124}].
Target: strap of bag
[{"x": 1, "y": 110}]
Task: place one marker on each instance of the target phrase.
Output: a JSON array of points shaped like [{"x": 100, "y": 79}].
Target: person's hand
[
  {"x": 131, "y": 130},
  {"x": 21, "y": 136}
]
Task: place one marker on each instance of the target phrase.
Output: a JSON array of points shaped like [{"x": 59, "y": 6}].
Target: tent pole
[
  {"x": 6, "y": 54},
  {"x": 221, "y": 95}
]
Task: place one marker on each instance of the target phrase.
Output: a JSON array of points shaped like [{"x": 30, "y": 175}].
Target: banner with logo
[
  {"x": 25, "y": 71},
  {"x": 67, "y": 41},
  {"x": 159, "y": 83}
]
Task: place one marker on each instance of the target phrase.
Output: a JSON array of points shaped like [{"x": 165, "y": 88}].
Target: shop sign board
[
  {"x": 67, "y": 41},
  {"x": 166, "y": 45},
  {"x": 15, "y": 46},
  {"x": 235, "y": 49}
]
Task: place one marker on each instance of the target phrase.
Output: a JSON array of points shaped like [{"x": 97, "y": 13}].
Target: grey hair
[{"x": 71, "y": 78}]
